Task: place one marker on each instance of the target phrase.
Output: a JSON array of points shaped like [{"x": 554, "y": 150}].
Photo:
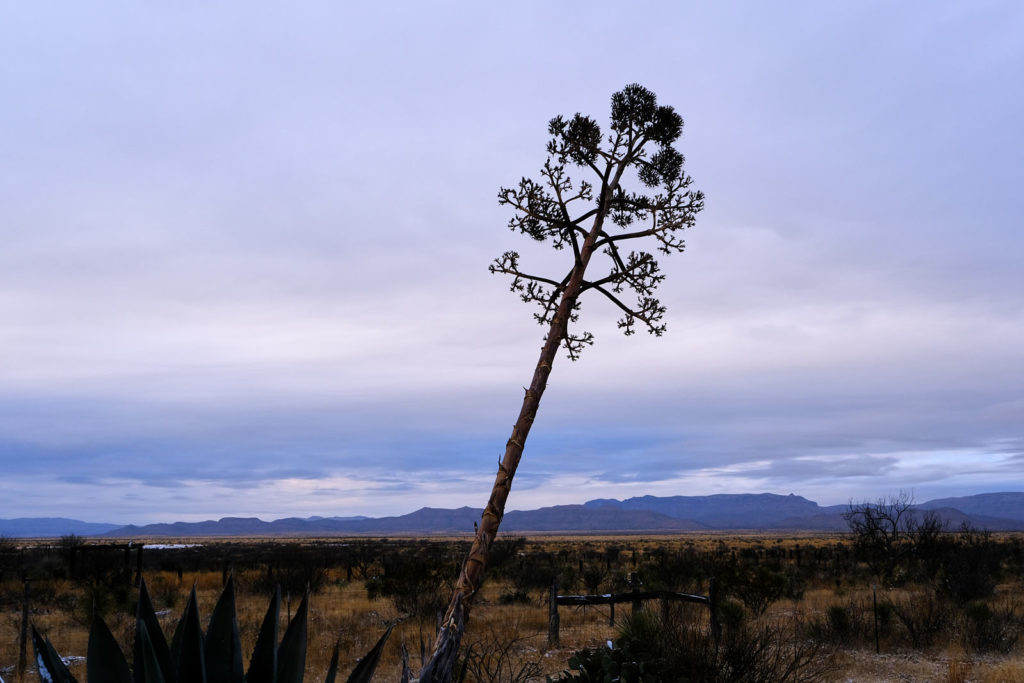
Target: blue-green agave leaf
[
  {"x": 144, "y": 612},
  {"x": 332, "y": 670},
  {"x": 406, "y": 672},
  {"x": 368, "y": 664},
  {"x": 291, "y": 655},
  {"x": 187, "y": 645},
  {"x": 263, "y": 665},
  {"x": 104, "y": 662},
  {"x": 223, "y": 645},
  {"x": 51, "y": 668},
  {"x": 147, "y": 666}
]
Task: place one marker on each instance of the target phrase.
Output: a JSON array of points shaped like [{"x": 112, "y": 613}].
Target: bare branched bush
[
  {"x": 891, "y": 531},
  {"x": 501, "y": 654},
  {"x": 924, "y": 617}
]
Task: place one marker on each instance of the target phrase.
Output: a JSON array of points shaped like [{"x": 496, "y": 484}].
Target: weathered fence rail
[
  {"x": 612, "y": 598},
  {"x": 635, "y": 597}
]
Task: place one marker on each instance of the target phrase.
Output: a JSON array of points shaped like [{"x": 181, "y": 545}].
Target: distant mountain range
[
  {"x": 762, "y": 511},
  {"x": 46, "y": 527}
]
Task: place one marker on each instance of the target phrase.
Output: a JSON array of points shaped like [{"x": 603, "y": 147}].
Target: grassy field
[{"x": 810, "y": 593}]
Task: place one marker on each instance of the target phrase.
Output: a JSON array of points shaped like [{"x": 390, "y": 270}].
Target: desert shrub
[
  {"x": 513, "y": 598},
  {"x": 886, "y": 616},
  {"x": 650, "y": 649},
  {"x": 988, "y": 629},
  {"x": 924, "y": 616},
  {"x": 839, "y": 621},
  {"x": 638, "y": 655},
  {"x": 759, "y": 586},
  {"x": 968, "y": 573},
  {"x": 770, "y": 653},
  {"x": 374, "y": 587},
  {"x": 535, "y": 577},
  {"x": 294, "y": 578},
  {"x": 9, "y": 558},
  {"x": 503, "y": 551},
  {"x": 592, "y": 577},
  {"x": 416, "y": 589},
  {"x": 673, "y": 571},
  {"x": 611, "y": 554},
  {"x": 165, "y": 592},
  {"x": 98, "y": 599},
  {"x": 11, "y": 592},
  {"x": 731, "y": 614},
  {"x": 843, "y": 624}
]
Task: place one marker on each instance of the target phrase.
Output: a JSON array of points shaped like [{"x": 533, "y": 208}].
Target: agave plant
[{"x": 195, "y": 657}]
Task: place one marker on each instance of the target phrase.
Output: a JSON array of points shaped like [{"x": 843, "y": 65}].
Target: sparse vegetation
[{"x": 823, "y": 615}]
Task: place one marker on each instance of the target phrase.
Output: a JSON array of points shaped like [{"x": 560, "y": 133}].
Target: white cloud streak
[{"x": 236, "y": 238}]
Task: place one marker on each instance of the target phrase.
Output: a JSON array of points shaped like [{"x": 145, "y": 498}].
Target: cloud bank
[{"x": 244, "y": 257}]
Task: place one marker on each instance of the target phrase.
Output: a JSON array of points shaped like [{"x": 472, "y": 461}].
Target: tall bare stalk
[{"x": 543, "y": 210}]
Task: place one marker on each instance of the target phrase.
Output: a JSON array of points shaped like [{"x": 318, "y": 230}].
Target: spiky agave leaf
[
  {"x": 368, "y": 664},
  {"x": 51, "y": 668},
  {"x": 332, "y": 670},
  {"x": 223, "y": 645},
  {"x": 406, "y": 671},
  {"x": 193, "y": 659},
  {"x": 263, "y": 664},
  {"x": 187, "y": 652},
  {"x": 147, "y": 665},
  {"x": 291, "y": 655},
  {"x": 104, "y": 661},
  {"x": 145, "y": 614}
]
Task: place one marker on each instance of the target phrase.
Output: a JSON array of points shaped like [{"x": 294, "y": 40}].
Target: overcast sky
[{"x": 243, "y": 267}]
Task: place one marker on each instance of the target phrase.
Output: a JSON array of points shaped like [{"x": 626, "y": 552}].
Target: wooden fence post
[
  {"x": 23, "y": 640},
  {"x": 553, "y": 616},
  {"x": 716, "y": 627},
  {"x": 874, "y": 609},
  {"x": 611, "y": 613}
]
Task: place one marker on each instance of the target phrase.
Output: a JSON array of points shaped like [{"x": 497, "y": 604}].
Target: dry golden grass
[
  {"x": 927, "y": 667},
  {"x": 1003, "y": 672},
  {"x": 341, "y": 612}
]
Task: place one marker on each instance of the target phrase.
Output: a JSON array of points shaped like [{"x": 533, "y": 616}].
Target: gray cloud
[{"x": 245, "y": 252}]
